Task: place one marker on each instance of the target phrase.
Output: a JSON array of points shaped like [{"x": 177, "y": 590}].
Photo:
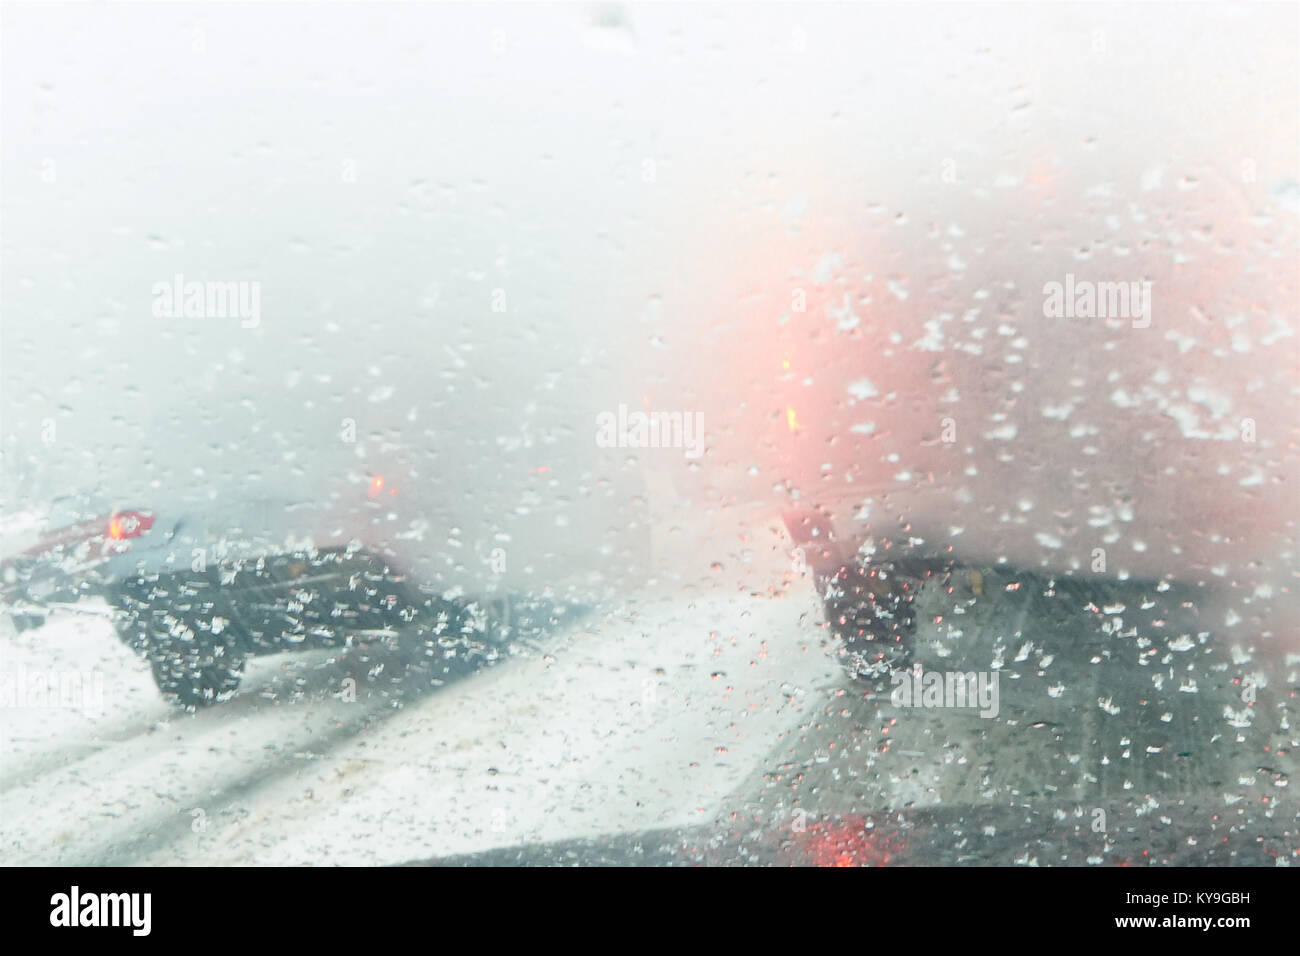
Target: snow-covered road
[
  {"x": 623, "y": 722},
  {"x": 670, "y": 714}
]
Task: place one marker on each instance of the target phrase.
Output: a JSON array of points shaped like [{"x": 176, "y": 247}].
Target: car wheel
[
  {"x": 26, "y": 620},
  {"x": 871, "y": 614},
  {"x": 173, "y": 622},
  {"x": 196, "y": 674},
  {"x": 872, "y": 660}
]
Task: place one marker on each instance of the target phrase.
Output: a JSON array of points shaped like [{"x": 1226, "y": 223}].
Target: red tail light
[
  {"x": 129, "y": 524},
  {"x": 378, "y": 485}
]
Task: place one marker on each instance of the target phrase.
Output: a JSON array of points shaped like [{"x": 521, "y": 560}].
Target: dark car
[
  {"x": 198, "y": 626},
  {"x": 199, "y": 586}
]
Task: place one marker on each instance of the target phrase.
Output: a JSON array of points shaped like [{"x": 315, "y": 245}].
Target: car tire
[
  {"x": 196, "y": 674},
  {"x": 872, "y": 616},
  {"x": 171, "y": 621},
  {"x": 26, "y": 620}
]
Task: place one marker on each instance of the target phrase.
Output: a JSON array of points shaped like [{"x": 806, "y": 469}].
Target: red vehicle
[{"x": 64, "y": 557}]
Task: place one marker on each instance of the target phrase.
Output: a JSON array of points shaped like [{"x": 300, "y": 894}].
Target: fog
[{"x": 827, "y": 230}]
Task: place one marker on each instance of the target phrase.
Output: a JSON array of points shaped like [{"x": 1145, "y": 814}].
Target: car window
[{"x": 786, "y": 433}]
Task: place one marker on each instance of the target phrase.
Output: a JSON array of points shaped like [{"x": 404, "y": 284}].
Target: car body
[
  {"x": 70, "y": 553},
  {"x": 205, "y": 582}
]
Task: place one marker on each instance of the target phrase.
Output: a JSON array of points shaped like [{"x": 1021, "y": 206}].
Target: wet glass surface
[{"x": 604, "y": 433}]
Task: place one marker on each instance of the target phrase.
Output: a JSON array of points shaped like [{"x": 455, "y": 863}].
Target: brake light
[
  {"x": 129, "y": 524},
  {"x": 848, "y": 843}
]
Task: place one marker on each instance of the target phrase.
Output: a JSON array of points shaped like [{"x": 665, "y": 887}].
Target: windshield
[{"x": 662, "y": 433}]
